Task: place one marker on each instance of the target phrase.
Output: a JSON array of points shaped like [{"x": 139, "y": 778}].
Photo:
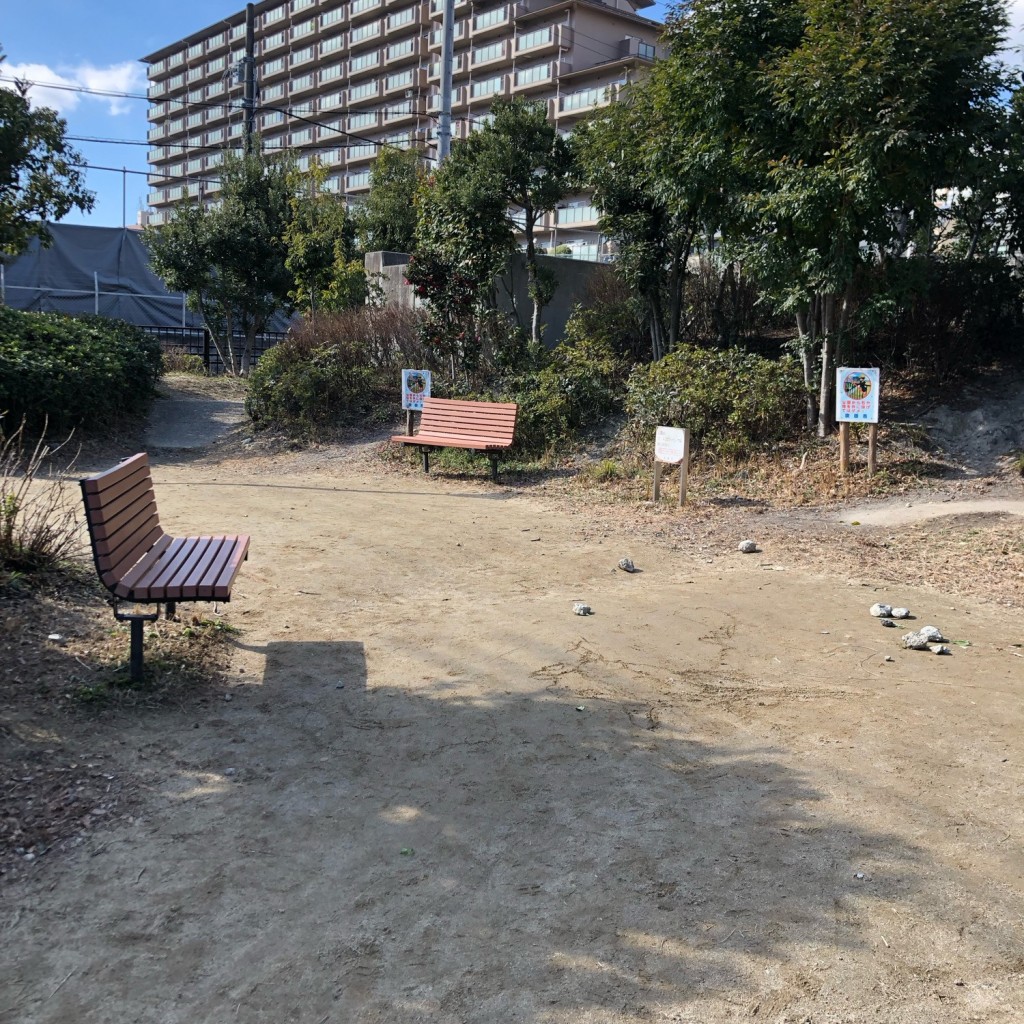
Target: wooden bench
[
  {"x": 478, "y": 426},
  {"x": 141, "y": 564}
]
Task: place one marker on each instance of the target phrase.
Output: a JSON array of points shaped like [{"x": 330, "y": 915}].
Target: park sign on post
[
  {"x": 415, "y": 387},
  {"x": 857, "y": 393},
  {"x": 671, "y": 447}
]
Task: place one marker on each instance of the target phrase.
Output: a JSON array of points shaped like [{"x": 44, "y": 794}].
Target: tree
[
  {"x": 328, "y": 273},
  {"x": 231, "y": 259},
  {"x": 463, "y": 242},
  {"x": 39, "y": 181},
  {"x": 387, "y": 219},
  {"x": 832, "y": 122},
  {"x": 530, "y": 166}
]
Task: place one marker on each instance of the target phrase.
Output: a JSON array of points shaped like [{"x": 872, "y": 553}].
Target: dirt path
[
  {"x": 189, "y": 415},
  {"x": 438, "y": 795},
  {"x": 902, "y": 512}
]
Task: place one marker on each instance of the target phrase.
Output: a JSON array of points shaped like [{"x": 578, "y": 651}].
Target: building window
[
  {"x": 367, "y": 31},
  {"x": 360, "y": 92},
  {"x": 302, "y": 137},
  {"x": 358, "y": 6},
  {"x": 398, "y": 110},
  {"x": 305, "y": 82},
  {"x": 540, "y": 37},
  {"x": 329, "y": 73},
  {"x": 400, "y": 18},
  {"x": 176, "y": 82},
  {"x": 487, "y": 87},
  {"x": 576, "y": 214},
  {"x": 358, "y": 152},
  {"x": 216, "y": 65},
  {"x": 270, "y": 93},
  {"x": 272, "y": 118},
  {"x": 302, "y": 5},
  {"x": 274, "y": 67},
  {"x": 495, "y": 17},
  {"x": 357, "y": 121},
  {"x": 276, "y": 14},
  {"x": 304, "y": 55},
  {"x": 331, "y": 44},
  {"x": 485, "y": 53},
  {"x": 399, "y": 81},
  {"x": 215, "y": 137},
  {"x": 538, "y": 73},
  {"x": 332, "y": 17},
  {"x": 195, "y": 50},
  {"x": 645, "y": 50},
  {"x": 274, "y": 41},
  {"x": 403, "y": 49},
  {"x": 330, "y": 101},
  {"x": 303, "y": 28},
  {"x": 584, "y": 98},
  {"x": 195, "y": 120},
  {"x": 358, "y": 180},
  {"x": 364, "y": 60}
]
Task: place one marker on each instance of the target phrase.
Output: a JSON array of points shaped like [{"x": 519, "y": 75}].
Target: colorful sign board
[
  {"x": 415, "y": 387},
  {"x": 857, "y": 392},
  {"x": 670, "y": 445}
]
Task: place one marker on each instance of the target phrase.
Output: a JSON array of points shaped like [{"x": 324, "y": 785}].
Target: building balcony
[
  {"x": 156, "y": 111},
  {"x": 217, "y": 42},
  {"x": 359, "y": 155},
  {"x": 368, "y": 92},
  {"x": 488, "y": 89},
  {"x": 540, "y": 77},
  {"x": 156, "y": 133},
  {"x": 360, "y": 10},
  {"x": 403, "y": 82},
  {"x": 491, "y": 23},
  {"x": 410, "y": 50},
  {"x": 540, "y": 42},
  {"x": 437, "y": 8},
  {"x": 437, "y": 36},
  {"x": 156, "y": 89},
  {"x": 301, "y": 86},
  {"x": 401, "y": 114},
  {"x": 367, "y": 34},
  {"x": 460, "y": 66}
]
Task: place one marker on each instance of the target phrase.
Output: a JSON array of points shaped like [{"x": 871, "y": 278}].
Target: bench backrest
[
  {"x": 120, "y": 509},
  {"x": 493, "y": 423}
]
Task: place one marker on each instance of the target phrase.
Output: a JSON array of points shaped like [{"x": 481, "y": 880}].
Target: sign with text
[
  {"x": 415, "y": 387},
  {"x": 670, "y": 445},
  {"x": 857, "y": 392}
]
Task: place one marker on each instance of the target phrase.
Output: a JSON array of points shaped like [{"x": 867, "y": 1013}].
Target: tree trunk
[
  {"x": 828, "y": 337},
  {"x": 806, "y": 337},
  {"x": 531, "y": 279}
]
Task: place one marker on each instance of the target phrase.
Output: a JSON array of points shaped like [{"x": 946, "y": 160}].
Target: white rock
[
  {"x": 626, "y": 565},
  {"x": 579, "y": 608},
  {"x": 748, "y": 547},
  {"x": 881, "y": 611},
  {"x": 901, "y": 613},
  {"x": 932, "y": 634},
  {"x": 915, "y": 642},
  {"x": 940, "y": 649}
]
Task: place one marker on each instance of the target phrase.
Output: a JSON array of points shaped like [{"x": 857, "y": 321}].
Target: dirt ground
[{"x": 425, "y": 790}]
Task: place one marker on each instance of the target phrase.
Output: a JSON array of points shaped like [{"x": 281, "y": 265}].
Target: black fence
[{"x": 196, "y": 341}]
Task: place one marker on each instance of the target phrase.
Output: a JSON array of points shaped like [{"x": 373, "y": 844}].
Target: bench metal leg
[
  {"x": 494, "y": 468},
  {"x": 426, "y": 459},
  {"x": 170, "y": 609},
  {"x": 135, "y": 670}
]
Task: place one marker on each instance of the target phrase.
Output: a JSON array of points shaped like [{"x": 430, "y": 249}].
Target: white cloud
[{"x": 128, "y": 77}]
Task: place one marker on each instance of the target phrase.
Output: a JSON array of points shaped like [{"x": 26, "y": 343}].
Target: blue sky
[{"x": 97, "y": 45}]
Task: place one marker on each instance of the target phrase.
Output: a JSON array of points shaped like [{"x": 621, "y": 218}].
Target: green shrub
[
  {"x": 180, "y": 360},
  {"x": 73, "y": 370},
  {"x": 579, "y": 386},
  {"x": 731, "y": 401},
  {"x": 309, "y": 391}
]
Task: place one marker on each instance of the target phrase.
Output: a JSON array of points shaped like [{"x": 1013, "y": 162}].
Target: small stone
[
  {"x": 579, "y": 608},
  {"x": 940, "y": 649},
  {"x": 227, "y": 698},
  {"x": 580, "y": 707},
  {"x": 901, "y": 613},
  {"x": 626, "y": 565},
  {"x": 55, "y": 637},
  {"x": 229, "y": 771},
  {"x": 747, "y": 547},
  {"x": 889, "y": 622},
  {"x": 915, "y": 642},
  {"x": 881, "y": 611},
  {"x": 889, "y": 657},
  {"x": 932, "y": 634}
]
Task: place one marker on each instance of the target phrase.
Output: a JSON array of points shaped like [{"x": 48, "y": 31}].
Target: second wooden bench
[{"x": 487, "y": 427}]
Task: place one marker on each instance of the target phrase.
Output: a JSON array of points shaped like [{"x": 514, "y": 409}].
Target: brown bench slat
[
  {"x": 222, "y": 584},
  {"x": 151, "y": 584},
  {"x": 103, "y": 514},
  {"x": 127, "y": 556},
  {"x": 122, "y": 586},
  {"x": 206, "y": 566},
  {"x": 218, "y": 565},
  {"x": 142, "y": 519},
  {"x": 481, "y": 443},
  {"x": 101, "y": 481},
  {"x": 173, "y": 582}
]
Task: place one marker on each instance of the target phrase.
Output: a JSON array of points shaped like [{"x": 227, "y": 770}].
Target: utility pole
[
  {"x": 444, "y": 124},
  {"x": 249, "y": 72}
]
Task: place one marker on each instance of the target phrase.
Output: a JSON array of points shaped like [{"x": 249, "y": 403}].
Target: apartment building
[{"x": 339, "y": 79}]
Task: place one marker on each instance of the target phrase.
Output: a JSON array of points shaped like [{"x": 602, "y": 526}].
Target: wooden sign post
[
  {"x": 415, "y": 387},
  {"x": 672, "y": 448},
  {"x": 857, "y": 394}
]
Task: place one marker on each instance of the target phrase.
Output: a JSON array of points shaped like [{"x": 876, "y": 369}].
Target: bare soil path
[
  {"x": 435, "y": 794},
  {"x": 900, "y": 513}
]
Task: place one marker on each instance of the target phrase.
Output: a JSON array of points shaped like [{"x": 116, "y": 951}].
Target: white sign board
[
  {"x": 670, "y": 445},
  {"x": 415, "y": 387},
  {"x": 857, "y": 391}
]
